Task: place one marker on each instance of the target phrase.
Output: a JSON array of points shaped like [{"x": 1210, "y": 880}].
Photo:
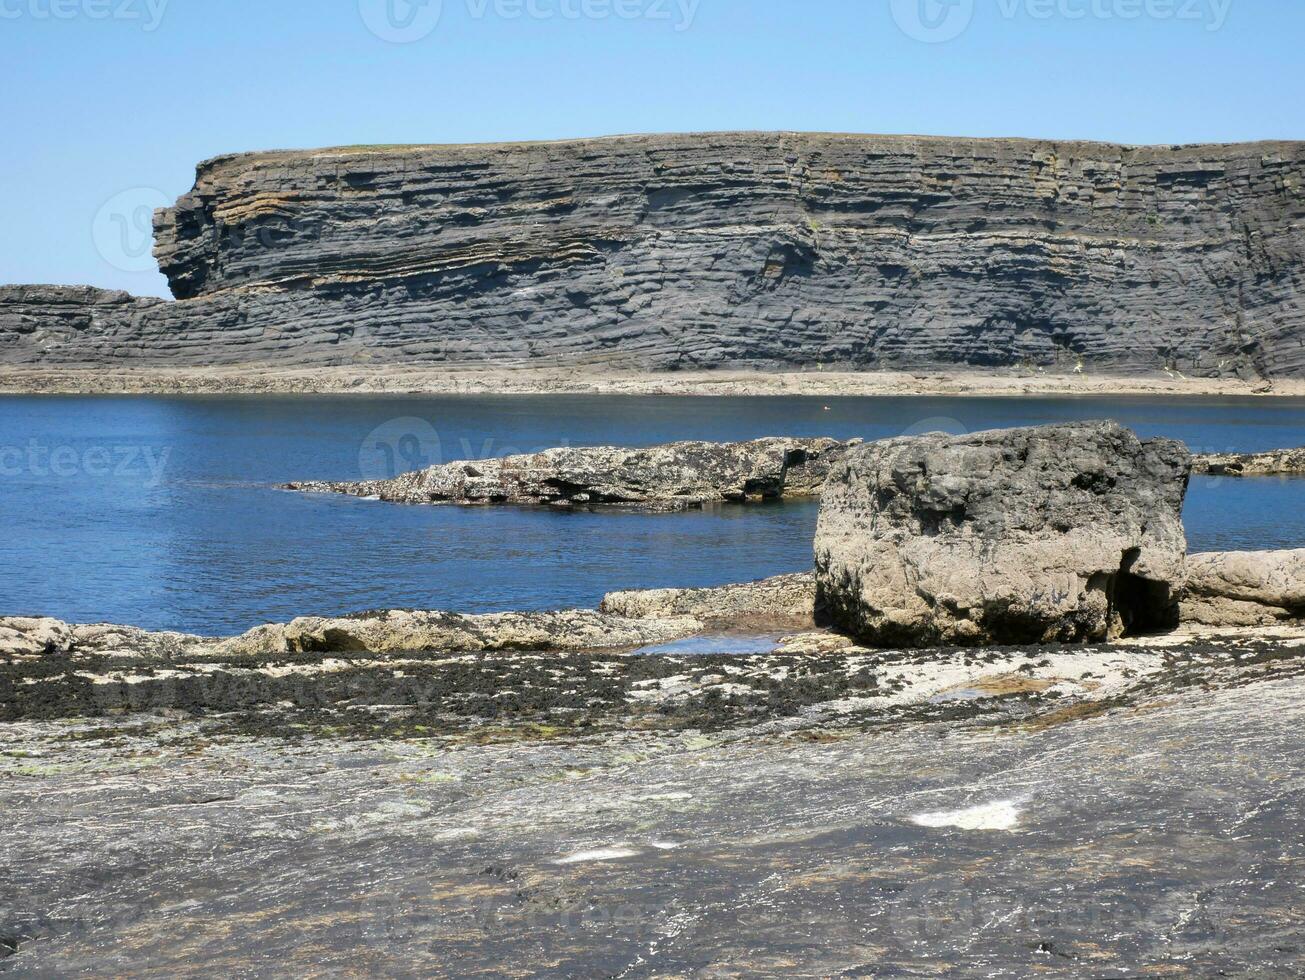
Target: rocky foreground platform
[{"x": 599, "y": 793}]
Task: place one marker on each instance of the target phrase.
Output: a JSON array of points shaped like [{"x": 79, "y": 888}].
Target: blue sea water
[{"x": 162, "y": 511}]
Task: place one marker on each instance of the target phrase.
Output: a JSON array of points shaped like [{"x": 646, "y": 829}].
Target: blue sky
[{"x": 110, "y": 103}]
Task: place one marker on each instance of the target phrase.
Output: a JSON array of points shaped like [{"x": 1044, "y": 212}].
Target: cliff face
[{"x": 766, "y": 250}]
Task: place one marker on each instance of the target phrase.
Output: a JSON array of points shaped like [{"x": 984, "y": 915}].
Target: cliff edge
[{"x": 710, "y": 251}]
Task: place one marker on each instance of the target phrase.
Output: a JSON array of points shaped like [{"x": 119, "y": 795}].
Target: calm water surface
[{"x": 161, "y": 512}]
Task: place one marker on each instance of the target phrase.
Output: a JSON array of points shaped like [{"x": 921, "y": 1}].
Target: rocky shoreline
[
  {"x": 261, "y": 378},
  {"x": 652, "y": 813},
  {"x": 394, "y": 661},
  {"x": 751, "y": 779}
]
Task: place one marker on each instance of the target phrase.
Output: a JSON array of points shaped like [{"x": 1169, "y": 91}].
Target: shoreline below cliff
[{"x": 443, "y": 379}]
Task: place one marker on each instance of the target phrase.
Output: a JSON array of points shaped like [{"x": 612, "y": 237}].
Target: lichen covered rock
[{"x": 1063, "y": 533}]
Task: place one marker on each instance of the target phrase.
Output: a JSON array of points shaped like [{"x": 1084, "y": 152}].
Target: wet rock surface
[
  {"x": 1245, "y": 588},
  {"x": 1278, "y": 462},
  {"x": 675, "y": 476},
  {"x": 714, "y": 250},
  {"x": 1057, "y": 533},
  {"x": 1051, "y": 811}
]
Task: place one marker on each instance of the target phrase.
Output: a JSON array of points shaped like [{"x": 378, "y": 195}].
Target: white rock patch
[
  {"x": 602, "y": 854},
  {"x": 1003, "y": 815}
]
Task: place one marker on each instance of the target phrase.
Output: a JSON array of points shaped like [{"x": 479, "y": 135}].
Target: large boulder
[
  {"x": 1064, "y": 533},
  {"x": 1245, "y": 588}
]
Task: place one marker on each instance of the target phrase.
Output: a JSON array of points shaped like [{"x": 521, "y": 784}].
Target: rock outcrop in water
[
  {"x": 713, "y": 250},
  {"x": 1062, "y": 533},
  {"x": 675, "y": 476},
  {"x": 1277, "y": 462}
]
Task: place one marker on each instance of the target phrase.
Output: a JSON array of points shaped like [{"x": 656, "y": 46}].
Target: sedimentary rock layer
[
  {"x": 675, "y": 476},
  {"x": 715, "y": 250}
]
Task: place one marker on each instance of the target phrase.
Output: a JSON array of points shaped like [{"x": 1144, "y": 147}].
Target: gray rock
[
  {"x": 669, "y": 477},
  {"x": 376, "y": 633},
  {"x": 1122, "y": 812},
  {"x": 715, "y": 250},
  {"x": 1244, "y": 588},
  {"x": 1062, "y": 533},
  {"x": 399, "y": 631},
  {"x": 787, "y": 599},
  {"x": 1278, "y": 462}
]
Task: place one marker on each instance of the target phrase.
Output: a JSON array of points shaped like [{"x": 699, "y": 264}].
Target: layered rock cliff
[{"x": 714, "y": 250}]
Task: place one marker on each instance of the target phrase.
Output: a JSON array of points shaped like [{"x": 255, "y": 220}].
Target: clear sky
[{"x": 109, "y": 104}]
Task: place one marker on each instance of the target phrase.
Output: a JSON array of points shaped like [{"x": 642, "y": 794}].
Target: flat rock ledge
[
  {"x": 1245, "y": 588},
  {"x": 676, "y": 476},
  {"x": 372, "y": 634},
  {"x": 784, "y": 599},
  {"x": 1278, "y": 462},
  {"x": 1226, "y": 589},
  {"x": 626, "y": 620}
]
